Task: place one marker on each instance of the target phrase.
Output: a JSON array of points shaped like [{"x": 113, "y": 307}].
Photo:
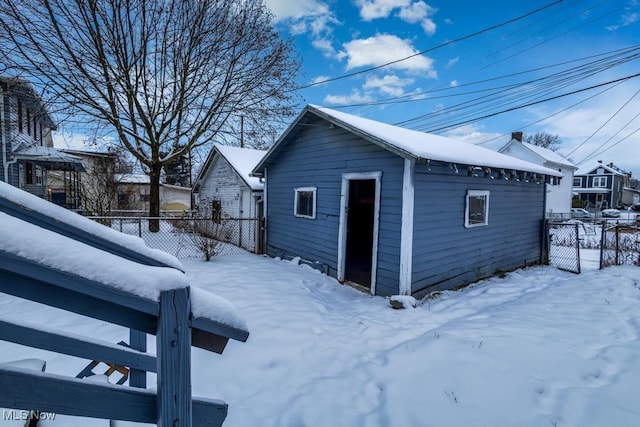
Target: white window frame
[
  {"x": 578, "y": 180},
  {"x": 476, "y": 193},
  {"x": 600, "y": 180},
  {"x": 296, "y": 192}
]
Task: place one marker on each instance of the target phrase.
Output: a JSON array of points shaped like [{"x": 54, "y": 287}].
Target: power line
[
  {"x": 531, "y": 104},
  {"x": 468, "y": 36},
  {"x": 530, "y": 89},
  {"x": 605, "y": 123},
  {"x": 555, "y": 113}
]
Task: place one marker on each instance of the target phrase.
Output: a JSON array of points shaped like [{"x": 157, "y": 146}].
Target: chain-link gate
[{"x": 563, "y": 246}]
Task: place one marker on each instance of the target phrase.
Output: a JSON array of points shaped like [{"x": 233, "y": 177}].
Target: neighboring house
[
  {"x": 600, "y": 186},
  {"x": 395, "y": 210},
  {"x": 225, "y": 188},
  {"x": 27, "y": 153},
  {"x": 97, "y": 183},
  {"x": 558, "y": 199},
  {"x": 134, "y": 194}
]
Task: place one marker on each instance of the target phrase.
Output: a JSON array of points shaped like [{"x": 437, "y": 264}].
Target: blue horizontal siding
[
  {"x": 317, "y": 157},
  {"x": 446, "y": 254}
]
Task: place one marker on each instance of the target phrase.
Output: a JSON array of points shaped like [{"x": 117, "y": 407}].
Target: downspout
[
  {"x": 4, "y": 136},
  {"x": 3, "y": 130}
]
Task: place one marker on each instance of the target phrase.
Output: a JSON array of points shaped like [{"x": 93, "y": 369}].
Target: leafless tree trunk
[{"x": 166, "y": 76}]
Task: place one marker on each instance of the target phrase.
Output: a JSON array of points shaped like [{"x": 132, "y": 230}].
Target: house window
[
  {"x": 38, "y": 175},
  {"x": 123, "y": 200},
  {"x": 305, "y": 202},
  {"x": 476, "y": 212},
  {"x": 577, "y": 182},
  {"x": 599, "y": 181},
  {"x": 28, "y": 122},
  {"x": 29, "y": 173}
]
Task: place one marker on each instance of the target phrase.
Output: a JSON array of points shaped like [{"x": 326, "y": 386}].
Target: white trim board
[
  {"x": 342, "y": 228},
  {"x": 406, "y": 229}
]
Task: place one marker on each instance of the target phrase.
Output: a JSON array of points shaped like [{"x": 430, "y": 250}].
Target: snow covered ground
[{"x": 539, "y": 347}]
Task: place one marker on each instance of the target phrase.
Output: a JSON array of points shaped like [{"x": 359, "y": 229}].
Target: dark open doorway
[{"x": 360, "y": 225}]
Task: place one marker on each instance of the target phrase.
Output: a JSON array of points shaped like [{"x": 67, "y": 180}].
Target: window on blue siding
[
  {"x": 476, "y": 212},
  {"x": 599, "y": 181},
  {"x": 305, "y": 202},
  {"x": 577, "y": 182}
]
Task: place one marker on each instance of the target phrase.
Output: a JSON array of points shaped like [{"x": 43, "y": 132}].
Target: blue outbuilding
[{"x": 398, "y": 211}]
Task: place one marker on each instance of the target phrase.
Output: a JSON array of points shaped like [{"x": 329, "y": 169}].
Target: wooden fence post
[
  {"x": 137, "y": 341},
  {"x": 173, "y": 355}
]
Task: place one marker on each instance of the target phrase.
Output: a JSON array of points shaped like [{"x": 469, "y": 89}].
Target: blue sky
[{"x": 568, "y": 46}]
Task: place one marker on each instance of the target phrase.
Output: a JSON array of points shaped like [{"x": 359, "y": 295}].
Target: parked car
[
  {"x": 580, "y": 213},
  {"x": 610, "y": 213}
]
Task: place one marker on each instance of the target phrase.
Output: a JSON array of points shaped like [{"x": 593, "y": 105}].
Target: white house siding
[
  {"x": 558, "y": 199},
  {"x": 237, "y": 200}
]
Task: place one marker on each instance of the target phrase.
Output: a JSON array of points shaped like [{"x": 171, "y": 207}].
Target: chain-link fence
[
  {"x": 563, "y": 246},
  {"x": 620, "y": 245},
  {"x": 194, "y": 237}
]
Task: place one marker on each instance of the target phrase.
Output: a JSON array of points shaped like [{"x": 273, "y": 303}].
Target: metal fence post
[
  {"x": 617, "y": 245},
  {"x": 577, "y": 248},
  {"x": 603, "y": 241},
  {"x": 139, "y": 227}
]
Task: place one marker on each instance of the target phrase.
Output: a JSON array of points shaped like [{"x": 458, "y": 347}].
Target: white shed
[{"x": 224, "y": 185}]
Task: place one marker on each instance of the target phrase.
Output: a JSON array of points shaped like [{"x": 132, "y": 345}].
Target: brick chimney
[{"x": 517, "y": 136}]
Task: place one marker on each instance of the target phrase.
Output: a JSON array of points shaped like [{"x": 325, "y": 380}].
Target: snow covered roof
[
  {"x": 589, "y": 167},
  {"x": 49, "y": 157},
  {"x": 543, "y": 153},
  {"x": 242, "y": 160},
  {"x": 12, "y": 198},
  {"x": 132, "y": 178},
  {"x": 412, "y": 144}
]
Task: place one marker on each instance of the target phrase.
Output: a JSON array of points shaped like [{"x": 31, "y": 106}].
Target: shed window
[
  {"x": 476, "y": 211},
  {"x": 599, "y": 181},
  {"x": 305, "y": 202}
]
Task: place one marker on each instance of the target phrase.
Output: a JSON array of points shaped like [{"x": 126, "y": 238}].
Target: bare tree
[
  {"x": 166, "y": 76},
  {"x": 544, "y": 140}
]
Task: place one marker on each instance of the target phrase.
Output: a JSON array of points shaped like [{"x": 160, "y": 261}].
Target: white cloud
[
  {"x": 474, "y": 134},
  {"x": 419, "y": 12},
  {"x": 320, "y": 79},
  {"x": 286, "y": 9},
  {"x": 374, "y": 9},
  {"x": 453, "y": 83},
  {"x": 307, "y": 16},
  {"x": 453, "y": 61},
  {"x": 354, "y": 98},
  {"x": 389, "y": 84},
  {"x": 628, "y": 17},
  {"x": 411, "y": 12},
  {"x": 325, "y": 46},
  {"x": 384, "y": 48}
]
